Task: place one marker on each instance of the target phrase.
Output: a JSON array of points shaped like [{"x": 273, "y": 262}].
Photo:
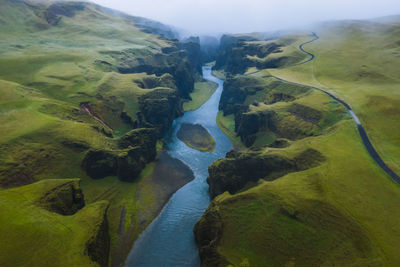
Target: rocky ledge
[
  {"x": 237, "y": 169},
  {"x": 136, "y": 149}
]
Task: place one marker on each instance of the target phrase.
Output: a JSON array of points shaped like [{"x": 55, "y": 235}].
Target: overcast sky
[{"x": 219, "y": 16}]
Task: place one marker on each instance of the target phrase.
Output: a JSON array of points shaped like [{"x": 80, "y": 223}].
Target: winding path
[{"x": 367, "y": 143}]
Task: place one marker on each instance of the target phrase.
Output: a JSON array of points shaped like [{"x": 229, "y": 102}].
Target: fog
[{"x": 201, "y": 17}]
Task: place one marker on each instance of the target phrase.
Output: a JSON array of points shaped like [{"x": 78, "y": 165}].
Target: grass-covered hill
[
  {"x": 358, "y": 61},
  {"x": 86, "y": 92},
  {"x": 301, "y": 189}
]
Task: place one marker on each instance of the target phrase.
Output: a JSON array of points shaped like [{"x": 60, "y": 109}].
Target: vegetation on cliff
[
  {"x": 86, "y": 92},
  {"x": 239, "y": 52},
  {"x": 329, "y": 213}
]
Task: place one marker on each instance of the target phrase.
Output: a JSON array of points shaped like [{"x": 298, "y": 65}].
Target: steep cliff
[
  {"x": 238, "y": 52},
  {"x": 300, "y": 189},
  {"x": 87, "y": 92},
  {"x": 209, "y": 48},
  {"x": 238, "y": 169}
]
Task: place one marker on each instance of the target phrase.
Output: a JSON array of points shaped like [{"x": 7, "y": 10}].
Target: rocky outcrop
[
  {"x": 98, "y": 246},
  {"x": 228, "y": 53},
  {"x": 234, "y": 53},
  {"x": 146, "y": 138},
  {"x": 293, "y": 121},
  {"x": 171, "y": 60},
  {"x": 129, "y": 164},
  {"x": 99, "y": 163},
  {"x": 236, "y": 90},
  {"x": 232, "y": 174},
  {"x": 192, "y": 47},
  {"x": 56, "y": 11},
  {"x": 237, "y": 169},
  {"x": 172, "y": 72},
  {"x": 207, "y": 232},
  {"x": 151, "y": 82},
  {"x": 279, "y": 97},
  {"x": 158, "y": 109},
  {"x": 65, "y": 199},
  {"x": 126, "y": 164},
  {"x": 138, "y": 147},
  {"x": 248, "y": 124}
]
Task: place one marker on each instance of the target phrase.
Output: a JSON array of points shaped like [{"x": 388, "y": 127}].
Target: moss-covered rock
[
  {"x": 236, "y": 90},
  {"x": 100, "y": 163},
  {"x": 235, "y": 50},
  {"x": 98, "y": 246},
  {"x": 126, "y": 164},
  {"x": 208, "y": 231},
  {"x": 54, "y": 13},
  {"x": 129, "y": 164},
  {"x": 137, "y": 148},
  {"x": 252, "y": 102},
  {"x": 172, "y": 60},
  {"x": 146, "y": 138},
  {"x": 234, "y": 172},
  {"x": 192, "y": 47},
  {"x": 66, "y": 198},
  {"x": 248, "y": 124},
  {"x": 280, "y": 143},
  {"x": 151, "y": 82},
  {"x": 159, "y": 108}
]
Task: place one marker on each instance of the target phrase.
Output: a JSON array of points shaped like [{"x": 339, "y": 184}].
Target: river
[{"x": 169, "y": 239}]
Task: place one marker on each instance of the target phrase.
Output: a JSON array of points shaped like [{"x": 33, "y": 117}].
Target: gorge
[{"x": 126, "y": 142}]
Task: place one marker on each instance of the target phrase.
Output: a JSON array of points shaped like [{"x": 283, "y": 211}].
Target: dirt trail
[{"x": 86, "y": 108}]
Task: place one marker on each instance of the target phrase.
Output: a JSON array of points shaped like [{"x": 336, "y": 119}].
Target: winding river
[{"x": 169, "y": 239}]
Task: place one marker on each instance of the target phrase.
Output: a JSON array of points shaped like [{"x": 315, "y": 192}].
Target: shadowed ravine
[{"x": 169, "y": 239}]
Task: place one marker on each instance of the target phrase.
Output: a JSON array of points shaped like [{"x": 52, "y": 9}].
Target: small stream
[{"x": 169, "y": 239}]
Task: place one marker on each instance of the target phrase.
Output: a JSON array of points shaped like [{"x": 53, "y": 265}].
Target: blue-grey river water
[{"x": 169, "y": 239}]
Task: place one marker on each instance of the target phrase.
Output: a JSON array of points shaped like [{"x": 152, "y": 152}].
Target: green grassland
[
  {"x": 47, "y": 69},
  {"x": 358, "y": 62},
  {"x": 33, "y": 236},
  {"x": 344, "y": 212},
  {"x": 227, "y": 125},
  {"x": 201, "y": 93}
]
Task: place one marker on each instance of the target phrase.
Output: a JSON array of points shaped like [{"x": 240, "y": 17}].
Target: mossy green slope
[
  {"x": 71, "y": 79},
  {"x": 342, "y": 212},
  {"x": 34, "y": 236},
  {"x": 201, "y": 93},
  {"x": 360, "y": 67}
]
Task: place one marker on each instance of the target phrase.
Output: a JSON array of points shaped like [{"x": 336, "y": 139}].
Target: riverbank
[{"x": 169, "y": 239}]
